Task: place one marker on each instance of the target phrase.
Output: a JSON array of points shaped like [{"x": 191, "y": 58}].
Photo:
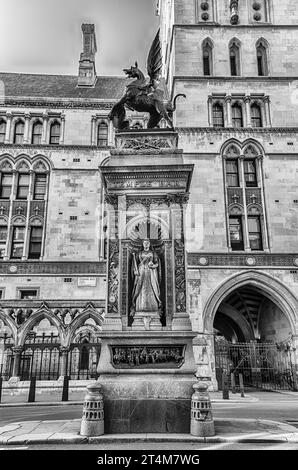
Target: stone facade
[{"x": 71, "y": 269}]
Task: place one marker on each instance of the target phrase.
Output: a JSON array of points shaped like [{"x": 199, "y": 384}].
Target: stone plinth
[{"x": 151, "y": 390}]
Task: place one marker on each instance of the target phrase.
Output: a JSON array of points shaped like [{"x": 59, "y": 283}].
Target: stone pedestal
[
  {"x": 149, "y": 388},
  {"x": 146, "y": 321},
  {"x": 146, "y": 365}
]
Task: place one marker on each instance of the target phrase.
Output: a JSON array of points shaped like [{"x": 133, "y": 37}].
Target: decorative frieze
[
  {"x": 113, "y": 277},
  {"x": 52, "y": 267},
  {"x": 147, "y": 357},
  {"x": 180, "y": 281},
  {"x": 143, "y": 140},
  {"x": 238, "y": 260}
]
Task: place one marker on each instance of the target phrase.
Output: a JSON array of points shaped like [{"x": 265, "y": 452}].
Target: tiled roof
[
  {"x": 20, "y": 85},
  {"x": 61, "y": 86}
]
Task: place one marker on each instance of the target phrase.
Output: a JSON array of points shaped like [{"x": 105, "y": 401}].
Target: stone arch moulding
[
  {"x": 78, "y": 322},
  {"x": 11, "y": 325},
  {"x": 242, "y": 146},
  {"x": 231, "y": 143},
  {"x": 270, "y": 287},
  {"x": 39, "y": 315},
  {"x": 165, "y": 228},
  {"x": 245, "y": 326}
]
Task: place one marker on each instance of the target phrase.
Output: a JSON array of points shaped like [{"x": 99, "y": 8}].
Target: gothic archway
[{"x": 253, "y": 323}]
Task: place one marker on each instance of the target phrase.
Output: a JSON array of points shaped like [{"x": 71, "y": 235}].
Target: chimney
[{"x": 87, "y": 70}]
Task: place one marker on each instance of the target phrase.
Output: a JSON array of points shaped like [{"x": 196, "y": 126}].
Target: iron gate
[
  {"x": 40, "y": 358},
  {"x": 83, "y": 358},
  {"x": 268, "y": 366}
]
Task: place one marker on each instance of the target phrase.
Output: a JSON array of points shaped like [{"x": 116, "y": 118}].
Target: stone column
[
  {"x": 228, "y": 102},
  {"x": 93, "y": 130},
  {"x": 210, "y": 114},
  {"x": 61, "y": 141},
  {"x": 9, "y": 225},
  {"x": 267, "y": 112},
  {"x": 111, "y": 133},
  {"x": 29, "y": 199},
  {"x": 8, "y": 127},
  {"x": 248, "y": 113},
  {"x": 263, "y": 115},
  {"x": 44, "y": 128},
  {"x": 245, "y": 224},
  {"x": 264, "y": 219},
  {"x": 26, "y": 129},
  {"x": 64, "y": 355},
  {"x": 17, "y": 350},
  {"x": 45, "y": 217}
]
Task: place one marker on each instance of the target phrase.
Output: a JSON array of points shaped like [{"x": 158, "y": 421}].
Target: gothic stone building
[{"x": 236, "y": 62}]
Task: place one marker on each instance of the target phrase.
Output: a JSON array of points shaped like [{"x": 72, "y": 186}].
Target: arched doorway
[
  {"x": 252, "y": 317},
  {"x": 253, "y": 338}
]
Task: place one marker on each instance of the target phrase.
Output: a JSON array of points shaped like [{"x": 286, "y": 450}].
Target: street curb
[
  {"x": 65, "y": 403},
  {"x": 112, "y": 440}
]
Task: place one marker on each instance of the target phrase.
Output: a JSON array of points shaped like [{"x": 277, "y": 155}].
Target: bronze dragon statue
[{"x": 144, "y": 96}]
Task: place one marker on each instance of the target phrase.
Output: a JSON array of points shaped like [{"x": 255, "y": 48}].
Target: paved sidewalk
[{"x": 67, "y": 432}]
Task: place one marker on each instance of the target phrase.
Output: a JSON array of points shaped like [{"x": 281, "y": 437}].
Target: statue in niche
[{"x": 146, "y": 271}]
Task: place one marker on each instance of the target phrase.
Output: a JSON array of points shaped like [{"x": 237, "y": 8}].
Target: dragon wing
[{"x": 154, "y": 61}]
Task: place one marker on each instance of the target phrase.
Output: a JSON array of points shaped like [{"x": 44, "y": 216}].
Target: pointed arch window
[
  {"x": 256, "y": 116},
  {"x": 207, "y": 58},
  {"x": 2, "y": 131},
  {"x": 102, "y": 134},
  {"x": 218, "y": 115},
  {"x": 36, "y": 133},
  {"x": 262, "y": 60},
  {"x": 234, "y": 50},
  {"x": 55, "y": 133},
  {"x": 19, "y": 129},
  {"x": 237, "y": 116}
]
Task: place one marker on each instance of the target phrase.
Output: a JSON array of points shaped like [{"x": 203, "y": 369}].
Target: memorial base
[{"x": 149, "y": 391}]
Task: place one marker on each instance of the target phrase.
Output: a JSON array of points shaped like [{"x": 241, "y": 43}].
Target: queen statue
[{"x": 146, "y": 270}]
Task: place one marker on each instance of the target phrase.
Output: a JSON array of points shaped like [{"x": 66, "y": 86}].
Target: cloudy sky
[{"x": 44, "y": 36}]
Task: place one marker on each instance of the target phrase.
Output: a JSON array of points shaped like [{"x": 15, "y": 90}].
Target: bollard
[
  {"x": 65, "y": 388},
  {"x": 201, "y": 423},
  {"x": 241, "y": 385},
  {"x": 31, "y": 397},
  {"x": 233, "y": 382},
  {"x": 1, "y": 382},
  {"x": 225, "y": 386},
  {"x": 92, "y": 423}
]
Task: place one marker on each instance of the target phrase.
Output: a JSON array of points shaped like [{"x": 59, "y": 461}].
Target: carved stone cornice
[{"x": 52, "y": 103}]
